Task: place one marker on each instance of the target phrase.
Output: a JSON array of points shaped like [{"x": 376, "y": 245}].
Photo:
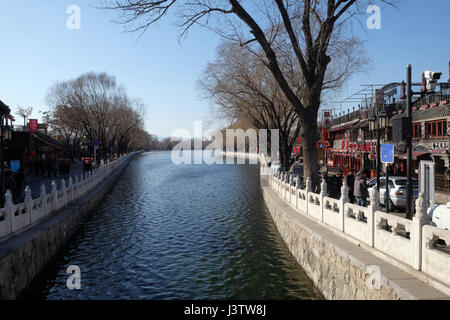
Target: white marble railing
[
  {"x": 411, "y": 242},
  {"x": 16, "y": 218},
  {"x": 390, "y": 236},
  {"x": 358, "y": 222},
  {"x": 332, "y": 213},
  {"x": 435, "y": 259}
]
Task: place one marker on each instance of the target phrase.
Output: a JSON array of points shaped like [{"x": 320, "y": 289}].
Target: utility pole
[{"x": 409, "y": 189}]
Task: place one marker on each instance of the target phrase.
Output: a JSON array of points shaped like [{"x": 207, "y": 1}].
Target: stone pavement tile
[
  {"x": 419, "y": 289},
  {"x": 389, "y": 271},
  {"x": 345, "y": 245}
]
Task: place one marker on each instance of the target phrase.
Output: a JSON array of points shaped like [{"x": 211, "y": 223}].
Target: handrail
[{"x": 16, "y": 218}]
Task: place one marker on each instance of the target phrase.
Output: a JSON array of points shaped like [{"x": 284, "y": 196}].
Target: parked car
[
  {"x": 297, "y": 170},
  {"x": 397, "y": 190},
  {"x": 275, "y": 166}
]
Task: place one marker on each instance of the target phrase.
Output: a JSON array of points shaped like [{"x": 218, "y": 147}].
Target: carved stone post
[
  {"x": 28, "y": 204},
  {"x": 9, "y": 210},
  {"x": 308, "y": 185},
  {"x": 323, "y": 194},
  {"x": 43, "y": 197},
  {"x": 342, "y": 201},
  {"x": 64, "y": 193},
  {"x": 420, "y": 219},
  {"x": 70, "y": 193},
  {"x": 54, "y": 187},
  {"x": 374, "y": 198},
  {"x": 8, "y": 199},
  {"x": 308, "y": 189},
  {"x": 55, "y": 196}
]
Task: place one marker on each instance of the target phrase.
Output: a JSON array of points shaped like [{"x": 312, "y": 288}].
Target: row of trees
[
  {"x": 95, "y": 106},
  {"x": 300, "y": 48},
  {"x": 244, "y": 90}
]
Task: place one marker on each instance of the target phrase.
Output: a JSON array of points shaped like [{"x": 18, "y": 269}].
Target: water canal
[{"x": 170, "y": 231}]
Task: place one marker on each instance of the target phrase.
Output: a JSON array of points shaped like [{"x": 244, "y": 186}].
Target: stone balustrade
[
  {"x": 16, "y": 218},
  {"x": 414, "y": 243}
]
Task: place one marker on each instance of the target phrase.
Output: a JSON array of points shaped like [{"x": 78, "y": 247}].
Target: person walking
[
  {"x": 360, "y": 189},
  {"x": 351, "y": 184},
  {"x": 20, "y": 182}
]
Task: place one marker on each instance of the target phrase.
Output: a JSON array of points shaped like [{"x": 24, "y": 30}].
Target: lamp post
[
  {"x": 409, "y": 189},
  {"x": 378, "y": 121},
  {"x": 5, "y": 134}
]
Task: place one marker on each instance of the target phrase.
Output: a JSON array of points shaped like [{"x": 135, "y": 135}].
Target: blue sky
[{"x": 37, "y": 50}]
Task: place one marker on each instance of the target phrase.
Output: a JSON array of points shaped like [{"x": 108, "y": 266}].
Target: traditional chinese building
[{"x": 430, "y": 118}]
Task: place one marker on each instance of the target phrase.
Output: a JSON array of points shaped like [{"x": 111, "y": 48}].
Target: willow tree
[
  {"x": 94, "y": 105},
  {"x": 242, "y": 88},
  {"x": 313, "y": 29}
]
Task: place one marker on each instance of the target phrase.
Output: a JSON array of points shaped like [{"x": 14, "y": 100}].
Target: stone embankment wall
[
  {"x": 23, "y": 255},
  {"x": 353, "y": 252}
]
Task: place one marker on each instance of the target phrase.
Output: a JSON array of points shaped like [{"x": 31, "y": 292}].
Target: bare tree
[
  {"x": 24, "y": 112},
  {"x": 244, "y": 91},
  {"x": 243, "y": 88},
  {"x": 94, "y": 105},
  {"x": 312, "y": 28}
]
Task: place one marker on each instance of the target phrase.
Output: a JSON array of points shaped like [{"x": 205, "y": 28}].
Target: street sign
[
  {"x": 96, "y": 142},
  {"x": 14, "y": 165},
  {"x": 387, "y": 153}
]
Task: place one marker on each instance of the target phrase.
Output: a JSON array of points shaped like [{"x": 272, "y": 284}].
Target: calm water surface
[{"x": 170, "y": 231}]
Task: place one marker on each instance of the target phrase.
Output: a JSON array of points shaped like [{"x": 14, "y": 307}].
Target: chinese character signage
[{"x": 33, "y": 125}]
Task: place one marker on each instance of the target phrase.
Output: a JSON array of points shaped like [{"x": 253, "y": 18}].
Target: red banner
[{"x": 33, "y": 125}]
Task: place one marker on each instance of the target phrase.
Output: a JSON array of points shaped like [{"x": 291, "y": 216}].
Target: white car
[
  {"x": 275, "y": 166},
  {"x": 397, "y": 190}
]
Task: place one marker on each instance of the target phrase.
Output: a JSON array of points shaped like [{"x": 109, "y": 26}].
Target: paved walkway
[
  {"x": 400, "y": 277},
  {"x": 35, "y": 182}
]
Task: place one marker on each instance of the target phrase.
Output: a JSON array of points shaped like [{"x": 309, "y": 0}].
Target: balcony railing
[{"x": 347, "y": 117}]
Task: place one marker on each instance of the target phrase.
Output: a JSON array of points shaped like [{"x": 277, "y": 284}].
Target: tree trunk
[
  {"x": 284, "y": 150},
  {"x": 309, "y": 146}
]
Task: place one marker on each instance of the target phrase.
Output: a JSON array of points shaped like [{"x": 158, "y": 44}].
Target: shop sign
[{"x": 33, "y": 125}]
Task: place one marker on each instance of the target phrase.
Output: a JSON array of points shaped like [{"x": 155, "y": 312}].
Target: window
[
  {"x": 402, "y": 182},
  {"x": 383, "y": 183},
  {"x": 436, "y": 129},
  {"x": 417, "y": 130}
]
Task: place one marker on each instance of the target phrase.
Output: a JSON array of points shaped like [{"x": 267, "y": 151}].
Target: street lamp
[
  {"x": 5, "y": 134},
  {"x": 378, "y": 121}
]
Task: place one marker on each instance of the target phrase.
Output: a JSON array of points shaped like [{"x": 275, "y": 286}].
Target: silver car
[
  {"x": 397, "y": 190},
  {"x": 275, "y": 166}
]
